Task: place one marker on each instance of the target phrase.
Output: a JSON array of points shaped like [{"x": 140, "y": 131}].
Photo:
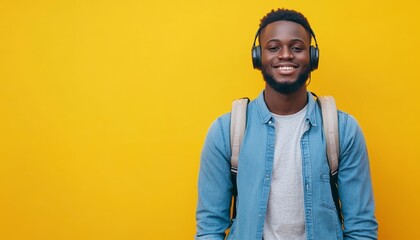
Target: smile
[{"x": 285, "y": 70}]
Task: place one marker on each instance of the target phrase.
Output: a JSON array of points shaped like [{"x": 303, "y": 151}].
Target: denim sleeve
[
  {"x": 354, "y": 183},
  {"x": 214, "y": 183}
]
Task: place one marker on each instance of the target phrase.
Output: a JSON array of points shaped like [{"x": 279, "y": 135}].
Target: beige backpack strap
[
  {"x": 237, "y": 129},
  {"x": 330, "y": 122}
]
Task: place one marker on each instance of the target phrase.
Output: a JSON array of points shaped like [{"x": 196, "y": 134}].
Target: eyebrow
[{"x": 292, "y": 40}]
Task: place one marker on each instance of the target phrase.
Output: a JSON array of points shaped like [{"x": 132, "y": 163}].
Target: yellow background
[{"x": 104, "y": 106}]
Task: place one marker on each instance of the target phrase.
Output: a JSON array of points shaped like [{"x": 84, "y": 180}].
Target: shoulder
[
  {"x": 219, "y": 130},
  {"x": 350, "y": 132},
  {"x": 220, "y": 125},
  {"x": 218, "y": 135},
  {"x": 347, "y": 123}
]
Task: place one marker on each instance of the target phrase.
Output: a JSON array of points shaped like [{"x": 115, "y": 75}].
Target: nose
[{"x": 285, "y": 53}]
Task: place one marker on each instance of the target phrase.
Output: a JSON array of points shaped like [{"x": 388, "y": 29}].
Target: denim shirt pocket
[{"x": 326, "y": 194}]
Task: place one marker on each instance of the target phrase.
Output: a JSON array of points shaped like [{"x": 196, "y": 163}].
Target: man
[{"x": 283, "y": 178}]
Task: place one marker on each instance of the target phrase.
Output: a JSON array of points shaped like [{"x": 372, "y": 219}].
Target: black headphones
[{"x": 313, "y": 51}]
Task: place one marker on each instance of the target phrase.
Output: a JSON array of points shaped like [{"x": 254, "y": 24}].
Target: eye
[
  {"x": 297, "y": 49},
  {"x": 273, "y": 49}
]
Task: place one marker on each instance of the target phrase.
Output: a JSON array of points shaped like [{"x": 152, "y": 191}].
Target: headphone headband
[{"x": 257, "y": 34}]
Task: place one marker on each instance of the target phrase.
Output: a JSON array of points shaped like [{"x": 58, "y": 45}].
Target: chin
[
  {"x": 285, "y": 80},
  {"x": 286, "y": 85}
]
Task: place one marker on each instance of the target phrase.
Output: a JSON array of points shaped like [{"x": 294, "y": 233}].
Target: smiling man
[{"x": 283, "y": 180}]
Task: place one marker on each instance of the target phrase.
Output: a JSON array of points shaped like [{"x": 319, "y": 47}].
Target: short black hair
[{"x": 283, "y": 14}]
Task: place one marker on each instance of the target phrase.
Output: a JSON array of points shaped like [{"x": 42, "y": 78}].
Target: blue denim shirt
[{"x": 254, "y": 179}]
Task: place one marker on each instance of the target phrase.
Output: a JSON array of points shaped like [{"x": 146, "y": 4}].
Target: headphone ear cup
[
  {"x": 256, "y": 57},
  {"x": 314, "y": 57}
]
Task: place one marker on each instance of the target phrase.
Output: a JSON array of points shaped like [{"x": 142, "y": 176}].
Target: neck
[{"x": 285, "y": 104}]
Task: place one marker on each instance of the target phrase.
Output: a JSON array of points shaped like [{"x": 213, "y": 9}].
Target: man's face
[{"x": 285, "y": 56}]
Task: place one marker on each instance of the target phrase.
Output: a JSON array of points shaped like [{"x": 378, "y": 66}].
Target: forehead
[{"x": 284, "y": 30}]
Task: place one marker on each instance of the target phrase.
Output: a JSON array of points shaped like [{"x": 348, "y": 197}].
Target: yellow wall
[{"x": 104, "y": 106}]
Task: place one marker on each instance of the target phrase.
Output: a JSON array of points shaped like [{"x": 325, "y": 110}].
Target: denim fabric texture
[{"x": 254, "y": 179}]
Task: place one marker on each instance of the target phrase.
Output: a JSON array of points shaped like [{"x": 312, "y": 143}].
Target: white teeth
[{"x": 286, "y": 68}]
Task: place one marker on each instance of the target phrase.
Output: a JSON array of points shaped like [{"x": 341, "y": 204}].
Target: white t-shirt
[{"x": 285, "y": 217}]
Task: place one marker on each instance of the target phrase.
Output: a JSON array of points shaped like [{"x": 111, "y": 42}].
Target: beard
[{"x": 286, "y": 88}]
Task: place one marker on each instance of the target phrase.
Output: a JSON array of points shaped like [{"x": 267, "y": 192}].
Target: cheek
[
  {"x": 264, "y": 58},
  {"x": 305, "y": 58},
  {"x": 267, "y": 58},
  {"x": 266, "y": 65}
]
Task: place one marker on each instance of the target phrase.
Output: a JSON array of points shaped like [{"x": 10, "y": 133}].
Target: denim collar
[{"x": 265, "y": 114}]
